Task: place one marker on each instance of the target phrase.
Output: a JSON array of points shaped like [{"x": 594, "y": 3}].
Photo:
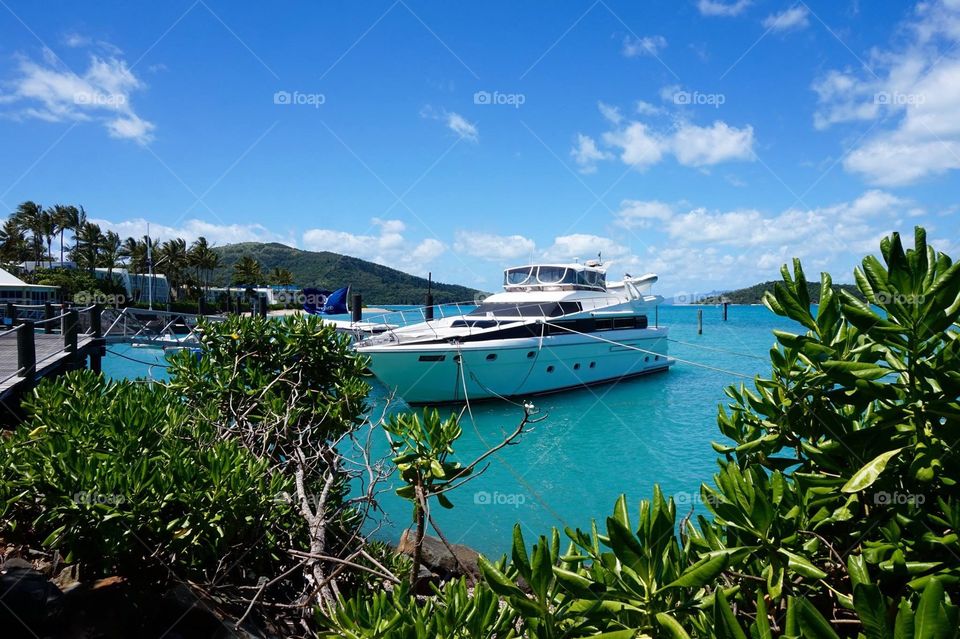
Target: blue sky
[{"x": 706, "y": 140}]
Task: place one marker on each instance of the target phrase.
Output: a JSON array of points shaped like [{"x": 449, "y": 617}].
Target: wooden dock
[{"x": 36, "y": 344}]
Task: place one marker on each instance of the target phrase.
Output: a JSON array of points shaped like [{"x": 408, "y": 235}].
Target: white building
[
  {"x": 138, "y": 285},
  {"x": 274, "y": 294},
  {"x": 13, "y": 289}
]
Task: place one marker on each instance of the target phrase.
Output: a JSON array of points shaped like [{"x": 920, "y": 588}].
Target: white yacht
[{"x": 554, "y": 327}]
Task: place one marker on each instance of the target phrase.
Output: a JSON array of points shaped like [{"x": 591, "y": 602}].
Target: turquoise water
[{"x": 593, "y": 443}]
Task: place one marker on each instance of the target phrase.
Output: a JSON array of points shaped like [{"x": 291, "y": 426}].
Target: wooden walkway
[
  {"x": 32, "y": 348},
  {"x": 50, "y": 355}
]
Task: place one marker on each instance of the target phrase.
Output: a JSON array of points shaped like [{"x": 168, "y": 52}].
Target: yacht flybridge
[{"x": 554, "y": 327}]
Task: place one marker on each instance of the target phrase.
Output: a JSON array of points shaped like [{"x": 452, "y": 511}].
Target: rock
[
  {"x": 30, "y": 604},
  {"x": 436, "y": 556},
  {"x": 68, "y": 578}
]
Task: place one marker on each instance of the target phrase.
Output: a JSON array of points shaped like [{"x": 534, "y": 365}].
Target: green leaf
[
  {"x": 724, "y": 622},
  {"x": 865, "y": 477},
  {"x": 812, "y": 623},
  {"x": 931, "y": 622},
  {"x": 671, "y": 626},
  {"x": 761, "y": 627},
  {"x": 801, "y": 565},
  {"x": 868, "y": 601},
  {"x": 702, "y": 572}
]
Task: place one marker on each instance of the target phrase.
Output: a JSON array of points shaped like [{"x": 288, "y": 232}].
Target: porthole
[
  {"x": 456, "y": 358},
  {"x": 491, "y": 357},
  {"x": 576, "y": 367},
  {"x": 656, "y": 357},
  {"x": 647, "y": 358},
  {"x": 549, "y": 369},
  {"x": 531, "y": 355},
  {"x": 593, "y": 364}
]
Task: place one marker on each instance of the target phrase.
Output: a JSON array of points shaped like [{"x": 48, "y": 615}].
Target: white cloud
[
  {"x": 586, "y": 154},
  {"x": 610, "y": 113},
  {"x": 191, "y": 229},
  {"x": 639, "y": 147},
  {"x": 459, "y": 125},
  {"x": 647, "y": 45},
  {"x": 498, "y": 248},
  {"x": 641, "y": 214},
  {"x": 719, "y": 8},
  {"x": 699, "y": 249},
  {"x": 916, "y": 87},
  {"x": 797, "y": 17},
  {"x": 696, "y": 146},
  {"x": 645, "y": 108},
  {"x": 47, "y": 91},
  {"x": 389, "y": 246},
  {"x": 705, "y": 146}
]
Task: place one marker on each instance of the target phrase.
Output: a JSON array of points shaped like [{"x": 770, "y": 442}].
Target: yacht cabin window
[
  {"x": 551, "y": 274},
  {"x": 516, "y": 276},
  {"x": 554, "y": 276}
]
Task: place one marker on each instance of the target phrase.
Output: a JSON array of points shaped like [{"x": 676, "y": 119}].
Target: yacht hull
[{"x": 444, "y": 372}]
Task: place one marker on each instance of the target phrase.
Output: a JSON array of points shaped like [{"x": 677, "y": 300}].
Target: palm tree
[
  {"x": 89, "y": 240},
  {"x": 247, "y": 271},
  {"x": 14, "y": 247},
  {"x": 111, "y": 250},
  {"x": 65, "y": 218},
  {"x": 204, "y": 260},
  {"x": 173, "y": 258},
  {"x": 281, "y": 276},
  {"x": 29, "y": 218}
]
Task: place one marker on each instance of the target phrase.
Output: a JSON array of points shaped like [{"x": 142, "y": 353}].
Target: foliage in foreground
[
  {"x": 232, "y": 475},
  {"x": 124, "y": 477},
  {"x": 834, "y": 512}
]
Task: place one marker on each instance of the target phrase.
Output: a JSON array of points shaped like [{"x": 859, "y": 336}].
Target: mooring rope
[
  {"x": 649, "y": 352},
  {"x": 719, "y": 350},
  {"x": 138, "y": 361}
]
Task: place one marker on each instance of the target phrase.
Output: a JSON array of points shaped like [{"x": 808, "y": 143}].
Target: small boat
[{"x": 554, "y": 327}]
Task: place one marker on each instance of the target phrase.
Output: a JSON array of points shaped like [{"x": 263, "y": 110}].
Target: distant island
[
  {"x": 322, "y": 269},
  {"x": 754, "y": 294}
]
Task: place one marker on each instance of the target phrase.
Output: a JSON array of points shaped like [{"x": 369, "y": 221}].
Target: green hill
[
  {"x": 754, "y": 294},
  {"x": 378, "y": 284}
]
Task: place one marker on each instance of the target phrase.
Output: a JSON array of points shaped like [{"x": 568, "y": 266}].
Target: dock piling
[
  {"x": 428, "y": 310},
  {"x": 725, "y": 305},
  {"x": 70, "y": 328},
  {"x": 26, "y": 350},
  {"x": 356, "y": 308},
  {"x": 699, "y": 321},
  {"x": 96, "y": 328}
]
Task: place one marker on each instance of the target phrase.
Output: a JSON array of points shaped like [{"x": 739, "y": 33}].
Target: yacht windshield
[
  {"x": 517, "y": 276},
  {"x": 551, "y": 274}
]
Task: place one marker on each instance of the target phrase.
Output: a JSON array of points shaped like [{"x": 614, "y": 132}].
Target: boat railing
[{"x": 507, "y": 313}]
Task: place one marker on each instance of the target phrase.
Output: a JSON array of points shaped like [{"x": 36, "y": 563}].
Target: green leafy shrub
[
  {"x": 123, "y": 477},
  {"x": 834, "y": 513},
  {"x": 292, "y": 371}
]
